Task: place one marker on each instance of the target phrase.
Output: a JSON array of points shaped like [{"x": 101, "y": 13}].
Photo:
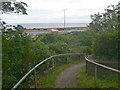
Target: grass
[
  {"x": 48, "y": 80},
  {"x": 87, "y": 81},
  {"x": 83, "y": 80}
]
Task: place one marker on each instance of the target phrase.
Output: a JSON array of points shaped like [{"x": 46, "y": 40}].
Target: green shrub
[{"x": 106, "y": 44}]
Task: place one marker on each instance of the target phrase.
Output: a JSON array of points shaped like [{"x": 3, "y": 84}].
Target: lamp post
[{"x": 64, "y": 17}]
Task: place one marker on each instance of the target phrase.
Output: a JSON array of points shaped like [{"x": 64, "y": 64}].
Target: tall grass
[{"x": 87, "y": 81}]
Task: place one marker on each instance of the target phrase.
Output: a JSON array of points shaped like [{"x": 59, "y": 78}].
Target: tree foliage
[
  {"x": 107, "y": 21},
  {"x": 107, "y": 38},
  {"x": 20, "y": 53},
  {"x": 12, "y": 6},
  {"x": 106, "y": 44}
]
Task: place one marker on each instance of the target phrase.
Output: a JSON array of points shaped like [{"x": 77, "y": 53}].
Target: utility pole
[{"x": 64, "y": 18}]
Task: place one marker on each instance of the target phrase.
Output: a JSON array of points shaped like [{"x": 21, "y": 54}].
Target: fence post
[
  {"x": 67, "y": 59},
  {"x": 80, "y": 57},
  {"x": 86, "y": 66},
  {"x": 95, "y": 74},
  {"x": 53, "y": 63},
  {"x": 35, "y": 80}
]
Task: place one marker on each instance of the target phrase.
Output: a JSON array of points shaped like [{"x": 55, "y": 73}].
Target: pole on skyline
[{"x": 64, "y": 18}]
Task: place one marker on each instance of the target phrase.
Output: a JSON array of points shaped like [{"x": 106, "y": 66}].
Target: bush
[
  {"x": 106, "y": 44},
  {"x": 20, "y": 54}
]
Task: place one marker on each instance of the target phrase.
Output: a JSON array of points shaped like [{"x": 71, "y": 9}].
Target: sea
[{"x": 51, "y": 25}]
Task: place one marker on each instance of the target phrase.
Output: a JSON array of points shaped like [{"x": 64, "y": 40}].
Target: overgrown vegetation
[
  {"x": 21, "y": 52},
  {"x": 106, "y": 26},
  {"x": 48, "y": 80},
  {"x": 106, "y": 44},
  {"x": 87, "y": 81}
]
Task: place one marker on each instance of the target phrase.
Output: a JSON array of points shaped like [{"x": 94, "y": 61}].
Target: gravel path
[{"x": 67, "y": 78}]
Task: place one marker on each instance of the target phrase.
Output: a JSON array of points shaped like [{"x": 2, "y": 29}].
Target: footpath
[{"x": 67, "y": 78}]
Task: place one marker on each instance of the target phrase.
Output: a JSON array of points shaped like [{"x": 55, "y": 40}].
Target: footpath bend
[{"x": 67, "y": 78}]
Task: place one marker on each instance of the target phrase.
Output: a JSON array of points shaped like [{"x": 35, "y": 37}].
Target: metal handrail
[
  {"x": 31, "y": 70},
  {"x": 106, "y": 67}
]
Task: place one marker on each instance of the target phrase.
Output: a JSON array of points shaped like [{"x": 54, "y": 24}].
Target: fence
[
  {"x": 39, "y": 64},
  {"x": 67, "y": 54},
  {"x": 95, "y": 66}
]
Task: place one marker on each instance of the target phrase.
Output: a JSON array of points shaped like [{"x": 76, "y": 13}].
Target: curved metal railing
[
  {"x": 87, "y": 60},
  {"x": 103, "y": 66},
  {"x": 95, "y": 69},
  {"x": 31, "y": 70}
]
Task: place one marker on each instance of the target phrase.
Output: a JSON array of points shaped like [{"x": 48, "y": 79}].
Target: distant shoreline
[
  {"x": 53, "y": 25},
  {"x": 60, "y": 28}
]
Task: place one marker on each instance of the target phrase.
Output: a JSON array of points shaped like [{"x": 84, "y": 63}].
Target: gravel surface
[{"x": 67, "y": 78}]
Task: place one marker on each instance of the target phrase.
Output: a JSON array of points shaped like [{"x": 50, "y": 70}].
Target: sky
[{"x": 52, "y": 11}]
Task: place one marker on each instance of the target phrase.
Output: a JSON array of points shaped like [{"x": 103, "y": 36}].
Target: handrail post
[
  {"x": 67, "y": 59},
  {"x": 80, "y": 57},
  {"x": 95, "y": 75},
  {"x": 53, "y": 63},
  {"x": 86, "y": 67},
  {"x": 35, "y": 80},
  {"x": 31, "y": 70}
]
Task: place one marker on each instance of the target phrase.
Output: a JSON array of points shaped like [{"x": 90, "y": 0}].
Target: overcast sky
[{"x": 51, "y": 11}]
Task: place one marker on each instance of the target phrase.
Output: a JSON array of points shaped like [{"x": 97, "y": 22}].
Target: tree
[
  {"x": 107, "y": 38},
  {"x": 107, "y": 21},
  {"x": 13, "y": 46},
  {"x": 12, "y": 6},
  {"x": 106, "y": 44}
]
